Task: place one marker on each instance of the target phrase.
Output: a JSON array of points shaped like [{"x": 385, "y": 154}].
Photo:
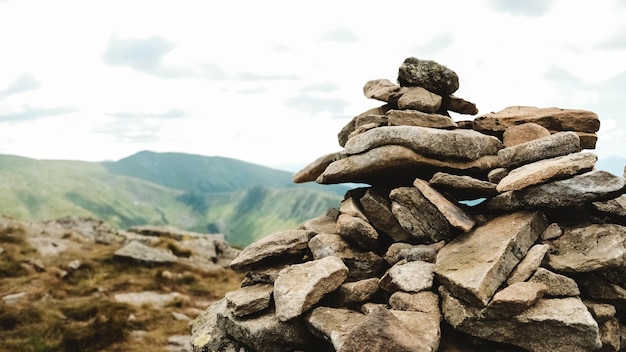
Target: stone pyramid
[{"x": 492, "y": 234}]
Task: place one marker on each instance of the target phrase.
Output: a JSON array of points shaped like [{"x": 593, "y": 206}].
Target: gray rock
[
  {"x": 399, "y": 251},
  {"x": 276, "y": 245},
  {"x": 361, "y": 265},
  {"x": 145, "y": 254},
  {"x": 377, "y": 208},
  {"x": 266, "y": 332},
  {"x": 151, "y": 298},
  {"x": 249, "y": 299},
  {"x": 462, "y": 187},
  {"x": 558, "y": 144},
  {"x": 408, "y": 277},
  {"x": 383, "y": 90},
  {"x": 425, "y": 325},
  {"x": 352, "y": 207},
  {"x": 547, "y": 169},
  {"x": 560, "y": 324},
  {"x": 420, "y": 99},
  {"x": 455, "y": 215},
  {"x": 382, "y": 331},
  {"x": 475, "y": 264},
  {"x": 428, "y": 74},
  {"x": 357, "y": 292},
  {"x": 313, "y": 170},
  {"x": 615, "y": 208},
  {"x": 206, "y": 335},
  {"x": 458, "y": 105},
  {"x": 589, "y": 248},
  {"x": 529, "y": 264},
  {"x": 523, "y": 133},
  {"x": 333, "y": 324},
  {"x": 418, "y": 216},
  {"x": 558, "y": 285},
  {"x": 300, "y": 286},
  {"x": 321, "y": 224},
  {"x": 432, "y": 142},
  {"x": 585, "y": 188},
  {"x": 386, "y": 163},
  {"x": 553, "y": 119},
  {"x": 418, "y": 118},
  {"x": 423, "y": 301}
]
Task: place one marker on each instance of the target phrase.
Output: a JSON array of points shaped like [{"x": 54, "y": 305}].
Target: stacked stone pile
[{"x": 483, "y": 235}]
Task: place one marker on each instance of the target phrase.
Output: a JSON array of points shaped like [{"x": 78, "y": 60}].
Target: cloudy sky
[{"x": 272, "y": 82}]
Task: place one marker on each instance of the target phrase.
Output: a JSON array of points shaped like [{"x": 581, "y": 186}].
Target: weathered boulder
[
  {"x": 475, "y": 264},
  {"x": 428, "y": 74},
  {"x": 553, "y": 119},
  {"x": 589, "y": 248},
  {"x": 558, "y": 144},
  {"x": 420, "y": 99},
  {"x": 547, "y": 169},
  {"x": 249, "y": 299},
  {"x": 300, "y": 286},
  {"x": 589, "y": 187},
  {"x": 418, "y": 216},
  {"x": 418, "y": 118},
  {"x": 432, "y": 142},
  {"x": 523, "y": 133},
  {"x": 357, "y": 292},
  {"x": 333, "y": 324},
  {"x": 462, "y": 187},
  {"x": 559, "y": 324},
  {"x": 287, "y": 244},
  {"x": 357, "y": 230},
  {"x": 408, "y": 277}
]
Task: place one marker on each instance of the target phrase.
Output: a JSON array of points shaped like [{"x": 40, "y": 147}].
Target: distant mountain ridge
[{"x": 244, "y": 201}]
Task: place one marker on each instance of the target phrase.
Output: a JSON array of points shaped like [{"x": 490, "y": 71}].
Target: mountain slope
[{"x": 46, "y": 189}]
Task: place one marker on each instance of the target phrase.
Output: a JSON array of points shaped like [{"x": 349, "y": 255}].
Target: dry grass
[{"x": 74, "y": 310}]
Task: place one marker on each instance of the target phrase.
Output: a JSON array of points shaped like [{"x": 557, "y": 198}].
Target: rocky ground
[{"x": 78, "y": 285}]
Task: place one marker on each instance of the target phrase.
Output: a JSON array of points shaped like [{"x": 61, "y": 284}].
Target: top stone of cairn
[{"x": 429, "y": 75}]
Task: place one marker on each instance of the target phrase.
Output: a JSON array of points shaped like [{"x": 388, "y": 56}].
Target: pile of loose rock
[{"x": 491, "y": 234}]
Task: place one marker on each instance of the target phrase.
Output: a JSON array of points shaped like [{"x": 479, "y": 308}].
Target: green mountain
[{"x": 206, "y": 194}]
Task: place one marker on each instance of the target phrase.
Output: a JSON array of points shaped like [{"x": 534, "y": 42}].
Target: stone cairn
[{"x": 495, "y": 234}]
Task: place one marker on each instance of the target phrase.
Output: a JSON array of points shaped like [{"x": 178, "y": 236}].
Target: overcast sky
[{"x": 272, "y": 82}]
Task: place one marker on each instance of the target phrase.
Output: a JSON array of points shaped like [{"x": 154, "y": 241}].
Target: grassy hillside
[{"x": 252, "y": 200}]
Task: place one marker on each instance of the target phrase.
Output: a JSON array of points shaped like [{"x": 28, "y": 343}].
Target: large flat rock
[
  {"x": 300, "y": 286},
  {"x": 456, "y": 216},
  {"x": 475, "y": 264},
  {"x": 418, "y": 98},
  {"x": 418, "y": 118},
  {"x": 551, "y": 325},
  {"x": 392, "y": 162},
  {"x": 313, "y": 170},
  {"x": 418, "y": 216},
  {"x": 558, "y": 144},
  {"x": 554, "y": 119},
  {"x": 463, "y": 187},
  {"x": 437, "y": 143}
]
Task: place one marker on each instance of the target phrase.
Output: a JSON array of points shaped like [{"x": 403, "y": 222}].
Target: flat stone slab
[
  {"x": 523, "y": 133},
  {"x": 145, "y": 254},
  {"x": 463, "y": 187},
  {"x": 376, "y": 206},
  {"x": 559, "y": 324},
  {"x": 418, "y": 216},
  {"x": 300, "y": 286},
  {"x": 313, "y": 170},
  {"x": 458, "y": 105},
  {"x": 418, "y": 118},
  {"x": 529, "y": 264},
  {"x": 432, "y": 142},
  {"x": 408, "y": 277},
  {"x": 558, "y": 144},
  {"x": 456, "y": 216},
  {"x": 545, "y": 170},
  {"x": 383, "y": 90},
  {"x": 554, "y": 119},
  {"x": 589, "y": 248},
  {"x": 589, "y": 187},
  {"x": 516, "y": 298},
  {"x": 558, "y": 285},
  {"x": 249, "y": 299},
  {"x": 392, "y": 161},
  {"x": 152, "y": 298},
  {"x": 344, "y": 134},
  {"x": 423, "y": 301},
  {"x": 420, "y": 99},
  {"x": 475, "y": 264},
  {"x": 278, "y": 244}
]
